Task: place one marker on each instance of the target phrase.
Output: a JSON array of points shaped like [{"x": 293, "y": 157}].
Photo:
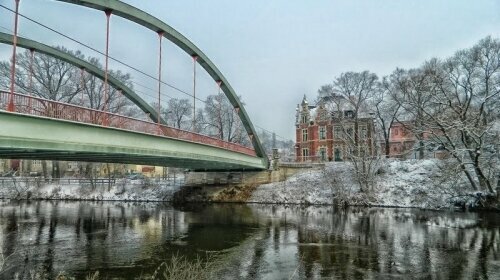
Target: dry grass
[{"x": 179, "y": 267}]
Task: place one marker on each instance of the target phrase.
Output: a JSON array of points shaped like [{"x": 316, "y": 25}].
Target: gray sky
[{"x": 272, "y": 52}]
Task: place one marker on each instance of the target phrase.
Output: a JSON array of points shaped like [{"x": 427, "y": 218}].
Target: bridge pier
[{"x": 228, "y": 186}]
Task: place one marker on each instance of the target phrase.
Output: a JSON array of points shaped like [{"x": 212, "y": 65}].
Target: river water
[{"x": 130, "y": 240}]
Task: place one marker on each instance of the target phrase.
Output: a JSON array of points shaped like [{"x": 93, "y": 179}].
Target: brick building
[
  {"x": 401, "y": 141},
  {"x": 326, "y": 131}
]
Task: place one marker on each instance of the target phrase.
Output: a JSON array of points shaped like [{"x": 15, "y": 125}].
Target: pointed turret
[{"x": 304, "y": 101}]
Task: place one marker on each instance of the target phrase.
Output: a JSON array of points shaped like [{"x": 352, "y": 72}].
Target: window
[
  {"x": 322, "y": 153},
  {"x": 304, "y": 135},
  {"x": 396, "y": 131},
  {"x": 305, "y": 153},
  {"x": 337, "y": 131},
  {"x": 304, "y": 118},
  {"x": 322, "y": 133},
  {"x": 349, "y": 114},
  {"x": 350, "y": 132},
  {"x": 337, "y": 154},
  {"x": 364, "y": 132}
]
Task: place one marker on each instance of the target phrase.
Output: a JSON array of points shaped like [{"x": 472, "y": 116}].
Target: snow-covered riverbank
[
  {"x": 430, "y": 184},
  {"x": 413, "y": 183},
  {"x": 121, "y": 189}
]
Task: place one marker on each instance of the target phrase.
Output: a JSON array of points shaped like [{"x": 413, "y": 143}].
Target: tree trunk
[
  {"x": 387, "y": 148},
  {"x": 421, "y": 154},
  {"x": 56, "y": 172},
  {"x": 467, "y": 173},
  {"x": 109, "y": 177},
  {"x": 89, "y": 173},
  {"x": 483, "y": 181},
  {"x": 44, "y": 171}
]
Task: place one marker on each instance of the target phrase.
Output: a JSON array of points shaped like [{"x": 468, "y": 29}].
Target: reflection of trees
[
  {"x": 257, "y": 241},
  {"x": 390, "y": 243},
  {"x": 72, "y": 236}
]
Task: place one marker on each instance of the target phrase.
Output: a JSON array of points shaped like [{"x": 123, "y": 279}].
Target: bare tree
[
  {"x": 178, "y": 113},
  {"x": 455, "y": 105},
  {"x": 386, "y": 110},
  {"x": 53, "y": 78},
  {"x": 412, "y": 92},
  {"x": 465, "y": 110},
  {"x": 350, "y": 94},
  {"x": 221, "y": 120}
]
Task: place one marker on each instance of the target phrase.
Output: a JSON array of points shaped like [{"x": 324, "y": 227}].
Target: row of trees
[
  {"x": 217, "y": 118},
  {"x": 452, "y": 103}
]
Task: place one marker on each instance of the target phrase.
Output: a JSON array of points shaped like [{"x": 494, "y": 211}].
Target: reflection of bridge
[{"x": 37, "y": 128}]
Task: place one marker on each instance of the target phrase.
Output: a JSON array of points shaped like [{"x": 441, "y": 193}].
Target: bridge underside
[{"x": 29, "y": 137}]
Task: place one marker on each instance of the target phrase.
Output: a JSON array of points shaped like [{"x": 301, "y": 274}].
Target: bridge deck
[{"x": 34, "y": 137}]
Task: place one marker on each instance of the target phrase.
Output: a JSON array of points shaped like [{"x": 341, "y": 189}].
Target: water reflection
[{"x": 127, "y": 240}]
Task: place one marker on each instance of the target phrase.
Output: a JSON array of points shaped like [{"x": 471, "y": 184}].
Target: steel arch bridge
[{"x": 45, "y": 129}]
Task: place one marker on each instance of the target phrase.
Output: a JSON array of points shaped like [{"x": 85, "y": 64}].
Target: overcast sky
[{"x": 271, "y": 51}]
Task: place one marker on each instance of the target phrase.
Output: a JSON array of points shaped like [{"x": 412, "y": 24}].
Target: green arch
[
  {"x": 140, "y": 17},
  {"x": 90, "y": 68}
]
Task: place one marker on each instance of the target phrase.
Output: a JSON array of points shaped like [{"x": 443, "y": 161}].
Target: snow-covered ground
[
  {"x": 430, "y": 184},
  {"x": 123, "y": 189},
  {"x": 412, "y": 183}
]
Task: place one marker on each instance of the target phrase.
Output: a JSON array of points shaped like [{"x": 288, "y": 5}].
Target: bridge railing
[{"x": 37, "y": 106}]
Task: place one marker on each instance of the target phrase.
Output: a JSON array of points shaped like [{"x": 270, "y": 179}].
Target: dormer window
[{"x": 349, "y": 114}]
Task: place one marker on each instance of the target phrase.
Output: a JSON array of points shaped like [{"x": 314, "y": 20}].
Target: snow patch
[{"x": 411, "y": 183}]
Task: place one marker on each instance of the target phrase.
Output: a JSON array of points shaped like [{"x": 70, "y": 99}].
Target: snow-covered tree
[{"x": 465, "y": 110}]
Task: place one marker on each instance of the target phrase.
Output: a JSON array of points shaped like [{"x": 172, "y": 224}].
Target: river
[{"x": 249, "y": 241}]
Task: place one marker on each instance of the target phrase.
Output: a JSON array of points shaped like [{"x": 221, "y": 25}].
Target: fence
[
  {"x": 70, "y": 181},
  {"x": 5, "y": 181},
  {"x": 41, "y": 107}
]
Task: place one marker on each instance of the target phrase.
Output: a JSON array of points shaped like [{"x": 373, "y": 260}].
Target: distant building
[
  {"x": 401, "y": 141},
  {"x": 326, "y": 131},
  {"x": 3, "y": 166},
  {"x": 19, "y": 167}
]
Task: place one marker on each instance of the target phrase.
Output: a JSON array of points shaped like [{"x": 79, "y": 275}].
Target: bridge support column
[{"x": 11, "y": 106}]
